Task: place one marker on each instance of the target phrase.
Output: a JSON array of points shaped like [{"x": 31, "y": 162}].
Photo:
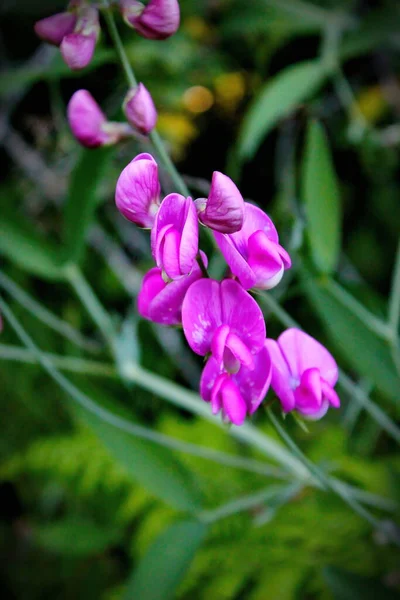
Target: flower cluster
[
  {"x": 76, "y": 32},
  {"x": 221, "y": 320}
]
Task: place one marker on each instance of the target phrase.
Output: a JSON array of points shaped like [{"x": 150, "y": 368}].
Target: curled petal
[
  {"x": 302, "y": 352},
  {"x": 157, "y": 21},
  {"x": 53, "y": 29},
  {"x": 265, "y": 260},
  {"x": 308, "y": 395},
  {"x": 77, "y": 50},
  {"x": 254, "y": 383},
  {"x": 281, "y": 381},
  {"x": 87, "y": 120},
  {"x": 224, "y": 209},
  {"x": 139, "y": 109},
  {"x": 137, "y": 193}
]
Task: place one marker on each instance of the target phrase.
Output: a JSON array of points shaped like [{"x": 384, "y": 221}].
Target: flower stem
[{"x": 131, "y": 80}]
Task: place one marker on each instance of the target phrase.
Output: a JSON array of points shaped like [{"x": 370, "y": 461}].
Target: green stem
[
  {"x": 45, "y": 316},
  {"x": 131, "y": 80},
  {"x": 330, "y": 483},
  {"x": 394, "y": 299},
  {"x": 347, "y": 384},
  {"x": 88, "y": 298}
]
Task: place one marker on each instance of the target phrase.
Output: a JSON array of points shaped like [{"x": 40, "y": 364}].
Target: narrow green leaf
[
  {"x": 165, "y": 564},
  {"x": 154, "y": 467},
  {"x": 24, "y": 246},
  {"x": 277, "y": 99},
  {"x": 321, "y": 198},
  {"x": 349, "y": 586},
  {"x": 364, "y": 351},
  {"x": 82, "y": 198},
  {"x": 127, "y": 345}
]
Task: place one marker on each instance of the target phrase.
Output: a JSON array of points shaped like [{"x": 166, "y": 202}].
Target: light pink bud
[
  {"x": 223, "y": 210},
  {"x": 53, "y": 29},
  {"x": 157, "y": 21},
  {"x": 140, "y": 110},
  {"x": 89, "y": 124},
  {"x": 77, "y": 48}
]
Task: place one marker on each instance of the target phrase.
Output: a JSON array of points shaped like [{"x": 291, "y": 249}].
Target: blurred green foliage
[{"x": 299, "y": 101}]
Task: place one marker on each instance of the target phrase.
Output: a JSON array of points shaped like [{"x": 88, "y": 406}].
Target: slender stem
[
  {"x": 92, "y": 304},
  {"x": 394, "y": 299},
  {"x": 124, "y": 425},
  {"x": 131, "y": 80},
  {"x": 344, "y": 380},
  {"x": 46, "y": 316},
  {"x": 327, "y": 482}
]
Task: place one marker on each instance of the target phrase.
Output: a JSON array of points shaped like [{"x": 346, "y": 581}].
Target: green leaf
[
  {"x": 321, "y": 198},
  {"x": 154, "y": 467},
  {"x": 128, "y": 349},
  {"x": 82, "y": 198},
  {"x": 364, "y": 351},
  {"x": 349, "y": 586},
  {"x": 277, "y": 99},
  {"x": 165, "y": 564},
  {"x": 24, "y": 246},
  {"x": 74, "y": 536}
]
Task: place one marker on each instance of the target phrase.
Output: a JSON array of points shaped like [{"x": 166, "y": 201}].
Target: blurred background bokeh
[{"x": 76, "y": 520}]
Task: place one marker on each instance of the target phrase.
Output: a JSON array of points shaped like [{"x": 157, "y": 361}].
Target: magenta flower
[
  {"x": 89, "y": 124},
  {"x": 53, "y": 29},
  {"x": 137, "y": 194},
  {"x": 303, "y": 374},
  {"x": 254, "y": 254},
  {"x": 140, "y": 110},
  {"x": 161, "y": 302},
  {"x": 236, "y": 395},
  {"x": 223, "y": 210},
  {"x": 222, "y": 318},
  {"x": 77, "y": 48},
  {"x": 156, "y": 21},
  {"x": 175, "y": 236}
]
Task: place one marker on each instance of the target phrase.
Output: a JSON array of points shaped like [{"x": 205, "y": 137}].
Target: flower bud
[
  {"x": 139, "y": 109},
  {"x": 89, "y": 124},
  {"x": 137, "y": 194},
  {"x": 223, "y": 210},
  {"x": 77, "y": 48},
  {"x": 53, "y": 29},
  {"x": 156, "y": 21}
]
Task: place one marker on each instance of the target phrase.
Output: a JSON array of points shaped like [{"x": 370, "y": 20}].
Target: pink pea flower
[
  {"x": 254, "y": 254},
  {"x": 139, "y": 109},
  {"x": 137, "y": 194},
  {"x": 53, "y": 29},
  {"x": 175, "y": 236},
  {"x": 223, "y": 210},
  {"x": 161, "y": 302},
  {"x": 156, "y": 21},
  {"x": 236, "y": 395},
  {"x": 77, "y": 48},
  {"x": 89, "y": 124},
  {"x": 222, "y": 318},
  {"x": 303, "y": 374}
]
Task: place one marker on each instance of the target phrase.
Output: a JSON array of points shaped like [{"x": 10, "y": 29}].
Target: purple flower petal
[
  {"x": 157, "y": 21},
  {"x": 201, "y": 314},
  {"x": 139, "y": 109},
  {"x": 254, "y": 384},
  {"x": 224, "y": 209},
  {"x": 152, "y": 285},
  {"x": 87, "y": 120},
  {"x": 265, "y": 261},
  {"x": 303, "y": 352},
  {"x": 77, "y": 50},
  {"x": 53, "y": 29},
  {"x": 236, "y": 262},
  {"x": 281, "y": 376},
  {"x": 137, "y": 194},
  {"x": 308, "y": 394}
]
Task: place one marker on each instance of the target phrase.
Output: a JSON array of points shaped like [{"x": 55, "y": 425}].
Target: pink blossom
[
  {"x": 137, "y": 194},
  {"x": 222, "y": 318},
  {"x": 303, "y": 374},
  {"x": 89, "y": 124},
  {"x": 53, "y": 29},
  {"x": 77, "y": 48},
  {"x": 139, "y": 109},
  {"x": 236, "y": 395},
  {"x": 156, "y": 21},
  {"x": 223, "y": 210},
  {"x": 254, "y": 254},
  {"x": 161, "y": 302},
  {"x": 175, "y": 236}
]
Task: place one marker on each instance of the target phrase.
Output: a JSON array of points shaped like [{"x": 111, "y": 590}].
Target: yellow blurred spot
[
  {"x": 198, "y": 99},
  {"x": 372, "y": 103},
  {"x": 229, "y": 89},
  {"x": 178, "y": 130},
  {"x": 197, "y": 28}
]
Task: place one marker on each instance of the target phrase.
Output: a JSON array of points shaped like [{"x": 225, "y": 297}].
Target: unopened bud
[
  {"x": 156, "y": 21},
  {"x": 140, "y": 110},
  {"x": 77, "y": 48},
  {"x": 53, "y": 29}
]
